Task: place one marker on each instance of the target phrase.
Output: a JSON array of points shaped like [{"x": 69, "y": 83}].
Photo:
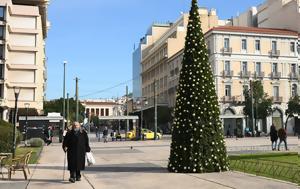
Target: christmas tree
[{"x": 198, "y": 144}]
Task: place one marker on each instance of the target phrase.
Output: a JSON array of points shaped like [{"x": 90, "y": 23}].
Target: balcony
[
  {"x": 294, "y": 76},
  {"x": 277, "y": 99},
  {"x": 227, "y": 73},
  {"x": 226, "y": 51},
  {"x": 245, "y": 74},
  {"x": 259, "y": 75},
  {"x": 274, "y": 53},
  {"x": 276, "y": 75},
  {"x": 228, "y": 99}
]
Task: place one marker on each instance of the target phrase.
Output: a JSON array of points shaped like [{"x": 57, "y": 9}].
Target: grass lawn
[
  {"x": 283, "y": 166},
  {"x": 35, "y": 153}
]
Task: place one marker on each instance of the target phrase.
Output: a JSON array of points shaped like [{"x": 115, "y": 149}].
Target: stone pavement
[{"x": 118, "y": 166}]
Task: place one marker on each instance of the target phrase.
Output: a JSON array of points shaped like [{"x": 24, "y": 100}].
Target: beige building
[
  {"x": 237, "y": 55},
  {"x": 23, "y": 29},
  {"x": 241, "y": 54},
  {"x": 280, "y": 14},
  {"x": 102, "y": 108},
  {"x": 161, "y": 43}
]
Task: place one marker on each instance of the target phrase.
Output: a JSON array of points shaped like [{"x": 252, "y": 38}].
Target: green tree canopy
[
  {"x": 57, "y": 106},
  {"x": 197, "y": 134},
  {"x": 262, "y": 104},
  {"x": 293, "y": 108}
]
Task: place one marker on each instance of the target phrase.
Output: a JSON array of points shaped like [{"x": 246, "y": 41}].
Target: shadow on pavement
[
  {"x": 134, "y": 167},
  {"x": 138, "y": 167}
]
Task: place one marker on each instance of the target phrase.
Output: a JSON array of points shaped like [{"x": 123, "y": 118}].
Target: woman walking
[
  {"x": 273, "y": 136},
  {"x": 76, "y": 144}
]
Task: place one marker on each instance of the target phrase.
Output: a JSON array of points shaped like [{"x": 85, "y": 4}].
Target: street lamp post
[
  {"x": 17, "y": 92},
  {"x": 64, "y": 93},
  {"x": 26, "y": 122},
  {"x": 252, "y": 108},
  {"x": 155, "y": 110},
  {"x": 143, "y": 102}
]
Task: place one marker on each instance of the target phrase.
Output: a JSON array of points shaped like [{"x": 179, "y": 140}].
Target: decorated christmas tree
[{"x": 198, "y": 144}]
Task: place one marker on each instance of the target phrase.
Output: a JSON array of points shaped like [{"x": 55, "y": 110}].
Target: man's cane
[{"x": 64, "y": 166}]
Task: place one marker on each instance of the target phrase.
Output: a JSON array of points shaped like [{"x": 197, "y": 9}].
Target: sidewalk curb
[{"x": 266, "y": 178}]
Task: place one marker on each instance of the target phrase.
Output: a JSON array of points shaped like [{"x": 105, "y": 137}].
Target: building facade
[
  {"x": 280, "y": 14},
  {"x": 156, "y": 53},
  {"x": 238, "y": 54},
  {"x": 23, "y": 29},
  {"x": 102, "y": 108}
]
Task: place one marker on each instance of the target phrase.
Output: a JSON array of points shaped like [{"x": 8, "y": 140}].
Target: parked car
[{"x": 149, "y": 135}]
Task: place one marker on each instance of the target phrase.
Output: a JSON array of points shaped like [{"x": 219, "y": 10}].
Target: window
[
  {"x": 227, "y": 67},
  {"x": 2, "y": 13},
  {"x": 244, "y": 67},
  {"x": 1, "y": 51},
  {"x": 258, "y": 68},
  {"x": 228, "y": 90},
  {"x": 97, "y": 111},
  {"x": 274, "y": 46},
  {"x": 257, "y": 45},
  {"x": 276, "y": 91},
  {"x": 294, "y": 90},
  {"x": 226, "y": 43},
  {"x": 274, "y": 68},
  {"x": 102, "y": 112},
  {"x": 1, "y": 90},
  {"x": 244, "y": 44},
  {"x": 293, "y": 68},
  {"x": 1, "y": 71},
  {"x": 1, "y": 32},
  {"x": 92, "y": 111},
  {"x": 87, "y": 111},
  {"x": 292, "y": 47},
  {"x": 106, "y": 112}
]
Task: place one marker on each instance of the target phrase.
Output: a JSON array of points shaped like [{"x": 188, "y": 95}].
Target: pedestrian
[
  {"x": 273, "y": 136},
  {"x": 228, "y": 135},
  {"x": 282, "y": 138},
  {"x": 76, "y": 144},
  {"x": 48, "y": 135},
  {"x": 98, "y": 133},
  {"x": 105, "y": 134}
]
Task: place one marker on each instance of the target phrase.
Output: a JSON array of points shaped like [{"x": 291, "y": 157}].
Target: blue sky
[{"x": 97, "y": 37}]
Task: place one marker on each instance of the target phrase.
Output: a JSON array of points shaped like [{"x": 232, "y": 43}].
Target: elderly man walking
[{"x": 76, "y": 144}]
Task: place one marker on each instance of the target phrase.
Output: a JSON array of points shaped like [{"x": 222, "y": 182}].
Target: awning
[{"x": 118, "y": 118}]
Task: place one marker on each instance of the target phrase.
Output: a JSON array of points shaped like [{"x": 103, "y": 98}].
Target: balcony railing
[
  {"x": 276, "y": 75},
  {"x": 277, "y": 99},
  {"x": 227, "y": 99},
  {"x": 245, "y": 74},
  {"x": 227, "y": 73},
  {"x": 259, "y": 75},
  {"x": 294, "y": 76},
  {"x": 274, "y": 53},
  {"x": 226, "y": 50}
]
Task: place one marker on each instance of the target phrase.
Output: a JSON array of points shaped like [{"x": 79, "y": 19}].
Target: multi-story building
[
  {"x": 280, "y": 14},
  {"x": 23, "y": 29},
  {"x": 102, "y": 108},
  {"x": 159, "y": 47},
  {"x": 241, "y": 54},
  {"x": 237, "y": 55}
]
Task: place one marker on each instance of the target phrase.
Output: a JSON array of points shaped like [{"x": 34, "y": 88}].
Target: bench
[{"x": 19, "y": 163}]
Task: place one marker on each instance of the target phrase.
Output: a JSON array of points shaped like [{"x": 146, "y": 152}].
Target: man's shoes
[
  {"x": 78, "y": 179},
  {"x": 72, "y": 180}
]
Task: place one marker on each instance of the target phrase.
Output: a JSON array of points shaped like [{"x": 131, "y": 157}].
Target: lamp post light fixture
[
  {"x": 17, "y": 92},
  {"x": 26, "y": 122}
]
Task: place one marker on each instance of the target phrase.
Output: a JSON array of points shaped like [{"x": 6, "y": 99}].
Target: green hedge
[
  {"x": 36, "y": 142},
  {"x": 6, "y": 136}
]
